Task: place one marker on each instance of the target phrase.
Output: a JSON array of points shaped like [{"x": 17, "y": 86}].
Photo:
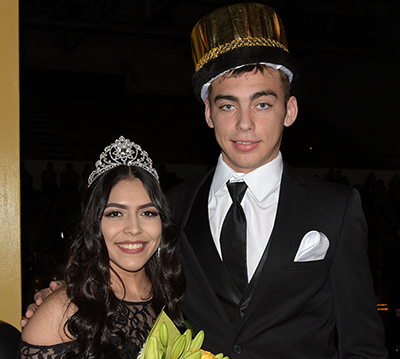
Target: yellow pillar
[{"x": 10, "y": 233}]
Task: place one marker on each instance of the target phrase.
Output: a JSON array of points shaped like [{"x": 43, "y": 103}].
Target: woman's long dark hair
[{"x": 87, "y": 271}]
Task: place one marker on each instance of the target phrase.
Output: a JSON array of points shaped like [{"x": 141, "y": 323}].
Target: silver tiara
[{"x": 122, "y": 152}]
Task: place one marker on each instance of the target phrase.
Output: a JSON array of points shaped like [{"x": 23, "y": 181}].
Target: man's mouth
[{"x": 245, "y": 142}]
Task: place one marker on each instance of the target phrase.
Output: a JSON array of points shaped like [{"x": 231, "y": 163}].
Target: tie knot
[{"x": 237, "y": 190}]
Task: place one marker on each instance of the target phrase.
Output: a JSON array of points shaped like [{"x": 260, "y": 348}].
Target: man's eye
[
  {"x": 263, "y": 105},
  {"x": 227, "y": 107}
]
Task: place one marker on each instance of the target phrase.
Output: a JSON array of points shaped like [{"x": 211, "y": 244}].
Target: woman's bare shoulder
[{"x": 46, "y": 327}]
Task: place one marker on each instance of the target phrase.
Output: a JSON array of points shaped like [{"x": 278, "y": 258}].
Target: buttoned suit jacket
[{"x": 317, "y": 309}]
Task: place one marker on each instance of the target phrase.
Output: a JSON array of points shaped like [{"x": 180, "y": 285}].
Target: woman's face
[{"x": 131, "y": 227}]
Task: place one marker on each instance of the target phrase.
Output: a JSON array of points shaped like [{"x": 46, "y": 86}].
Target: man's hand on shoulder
[
  {"x": 39, "y": 298},
  {"x": 46, "y": 327}
]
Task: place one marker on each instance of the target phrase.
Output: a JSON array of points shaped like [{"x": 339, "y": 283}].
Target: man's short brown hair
[{"x": 255, "y": 68}]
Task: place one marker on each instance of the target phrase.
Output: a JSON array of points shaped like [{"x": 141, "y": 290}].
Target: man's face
[{"x": 248, "y": 115}]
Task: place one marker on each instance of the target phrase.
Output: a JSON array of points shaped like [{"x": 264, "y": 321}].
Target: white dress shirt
[{"x": 259, "y": 203}]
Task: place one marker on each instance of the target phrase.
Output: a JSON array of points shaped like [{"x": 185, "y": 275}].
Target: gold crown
[
  {"x": 230, "y": 27},
  {"x": 238, "y": 35}
]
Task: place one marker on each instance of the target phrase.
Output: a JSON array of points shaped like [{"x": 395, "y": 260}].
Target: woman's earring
[{"x": 158, "y": 252}]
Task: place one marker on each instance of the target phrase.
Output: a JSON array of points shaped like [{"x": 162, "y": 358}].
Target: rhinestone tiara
[{"x": 122, "y": 152}]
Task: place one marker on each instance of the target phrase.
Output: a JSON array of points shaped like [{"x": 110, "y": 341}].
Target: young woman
[{"x": 122, "y": 267}]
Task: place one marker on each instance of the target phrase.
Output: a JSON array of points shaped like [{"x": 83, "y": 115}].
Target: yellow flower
[{"x": 207, "y": 355}]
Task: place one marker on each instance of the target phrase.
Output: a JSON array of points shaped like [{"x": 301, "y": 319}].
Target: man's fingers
[
  {"x": 54, "y": 285},
  {"x": 40, "y": 296},
  {"x": 31, "y": 310}
]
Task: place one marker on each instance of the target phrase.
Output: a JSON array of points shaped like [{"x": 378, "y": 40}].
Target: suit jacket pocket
[{"x": 304, "y": 266}]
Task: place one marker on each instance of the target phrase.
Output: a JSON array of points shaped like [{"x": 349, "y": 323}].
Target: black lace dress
[{"x": 134, "y": 319}]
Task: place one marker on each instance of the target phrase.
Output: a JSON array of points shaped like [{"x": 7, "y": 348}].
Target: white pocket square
[{"x": 313, "y": 247}]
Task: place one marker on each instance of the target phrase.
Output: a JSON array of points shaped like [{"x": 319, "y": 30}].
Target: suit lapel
[
  {"x": 199, "y": 256},
  {"x": 198, "y": 232},
  {"x": 284, "y": 238}
]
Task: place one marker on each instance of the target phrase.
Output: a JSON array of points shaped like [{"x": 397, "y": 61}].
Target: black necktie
[{"x": 233, "y": 237}]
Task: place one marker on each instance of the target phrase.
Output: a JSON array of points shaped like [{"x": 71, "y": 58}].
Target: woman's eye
[
  {"x": 150, "y": 213},
  {"x": 113, "y": 214}
]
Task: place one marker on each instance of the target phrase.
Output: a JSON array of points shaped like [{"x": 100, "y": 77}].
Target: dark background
[
  {"x": 92, "y": 70},
  {"x": 97, "y": 69}
]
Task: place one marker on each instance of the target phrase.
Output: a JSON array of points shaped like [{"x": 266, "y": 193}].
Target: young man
[
  {"x": 308, "y": 291},
  {"x": 288, "y": 276}
]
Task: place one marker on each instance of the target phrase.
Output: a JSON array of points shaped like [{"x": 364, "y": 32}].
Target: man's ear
[
  {"x": 291, "y": 111},
  {"x": 207, "y": 114}
]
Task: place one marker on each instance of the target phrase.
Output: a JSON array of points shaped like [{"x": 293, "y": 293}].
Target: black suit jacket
[{"x": 319, "y": 309}]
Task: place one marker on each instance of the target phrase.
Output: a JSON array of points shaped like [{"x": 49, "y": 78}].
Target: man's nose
[{"x": 245, "y": 121}]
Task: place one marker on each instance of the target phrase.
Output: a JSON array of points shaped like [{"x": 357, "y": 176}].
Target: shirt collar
[{"x": 260, "y": 181}]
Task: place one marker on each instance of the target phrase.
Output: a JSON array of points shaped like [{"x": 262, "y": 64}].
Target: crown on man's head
[
  {"x": 235, "y": 36},
  {"x": 122, "y": 152}
]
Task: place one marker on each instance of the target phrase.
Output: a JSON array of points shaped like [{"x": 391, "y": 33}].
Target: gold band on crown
[{"x": 237, "y": 43}]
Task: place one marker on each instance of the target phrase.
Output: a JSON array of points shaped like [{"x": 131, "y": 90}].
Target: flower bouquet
[{"x": 166, "y": 342}]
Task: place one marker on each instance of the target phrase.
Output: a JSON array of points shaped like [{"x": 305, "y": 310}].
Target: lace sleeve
[{"x": 29, "y": 351}]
